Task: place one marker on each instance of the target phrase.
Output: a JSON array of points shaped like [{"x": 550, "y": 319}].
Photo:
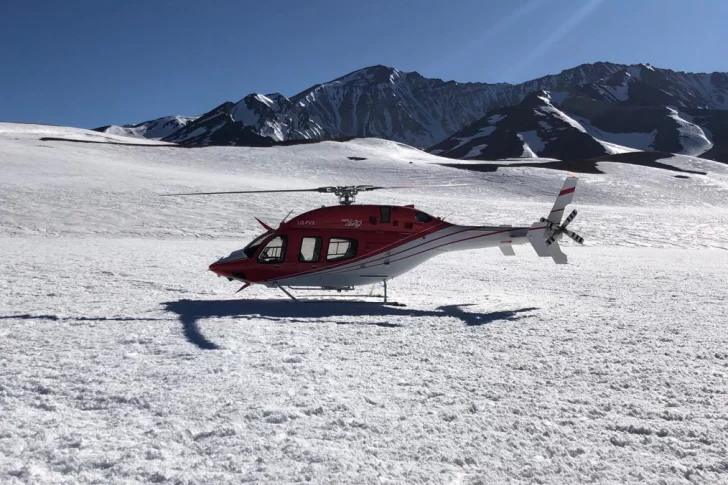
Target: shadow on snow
[{"x": 191, "y": 311}]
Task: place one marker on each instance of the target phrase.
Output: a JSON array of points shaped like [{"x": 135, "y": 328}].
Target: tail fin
[
  {"x": 564, "y": 198},
  {"x": 545, "y": 234}
]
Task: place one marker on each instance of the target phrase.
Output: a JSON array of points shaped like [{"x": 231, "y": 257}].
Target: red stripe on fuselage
[
  {"x": 401, "y": 243},
  {"x": 344, "y": 270}
]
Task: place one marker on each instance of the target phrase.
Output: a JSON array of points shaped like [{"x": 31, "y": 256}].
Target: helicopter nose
[
  {"x": 229, "y": 270},
  {"x": 221, "y": 269}
]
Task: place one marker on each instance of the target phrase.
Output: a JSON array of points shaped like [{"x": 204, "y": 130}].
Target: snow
[
  {"x": 558, "y": 97},
  {"x": 474, "y": 152},
  {"x": 532, "y": 143},
  {"x": 481, "y": 133},
  {"x": 73, "y": 134},
  {"x": 635, "y": 71},
  {"x": 125, "y": 361},
  {"x": 549, "y": 109},
  {"x": 621, "y": 142},
  {"x": 620, "y": 92},
  {"x": 125, "y": 131},
  {"x": 493, "y": 120},
  {"x": 154, "y": 129},
  {"x": 692, "y": 137}
]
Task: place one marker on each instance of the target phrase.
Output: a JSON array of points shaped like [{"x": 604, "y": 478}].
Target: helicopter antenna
[
  {"x": 346, "y": 193},
  {"x": 289, "y": 213}
]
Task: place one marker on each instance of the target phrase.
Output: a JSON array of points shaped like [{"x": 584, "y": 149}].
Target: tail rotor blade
[
  {"x": 574, "y": 236},
  {"x": 569, "y": 218}
]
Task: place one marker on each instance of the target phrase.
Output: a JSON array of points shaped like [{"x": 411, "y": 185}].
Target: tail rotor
[
  {"x": 561, "y": 229},
  {"x": 545, "y": 234}
]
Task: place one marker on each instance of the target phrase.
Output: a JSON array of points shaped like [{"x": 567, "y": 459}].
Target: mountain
[
  {"x": 579, "y": 127},
  {"x": 533, "y": 128},
  {"x": 638, "y": 107},
  {"x": 377, "y": 101},
  {"x": 154, "y": 129}
]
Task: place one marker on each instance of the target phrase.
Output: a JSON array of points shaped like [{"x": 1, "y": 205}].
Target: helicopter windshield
[{"x": 250, "y": 249}]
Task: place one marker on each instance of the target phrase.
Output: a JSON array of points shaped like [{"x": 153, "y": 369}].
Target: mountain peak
[
  {"x": 372, "y": 75},
  {"x": 536, "y": 99}
]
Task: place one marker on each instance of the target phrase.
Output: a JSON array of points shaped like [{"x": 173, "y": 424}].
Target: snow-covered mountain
[
  {"x": 377, "y": 102},
  {"x": 154, "y": 129},
  {"x": 630, "y": 102},
  {"x": 541, "y": 127},
  {"x": 533, "y": 128},
  {"x": 645, "y": 85}
]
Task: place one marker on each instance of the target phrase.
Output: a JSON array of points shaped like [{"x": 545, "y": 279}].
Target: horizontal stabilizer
[
  {"x": 537, "y": 237},
  {"x": 507, "y": 250}
]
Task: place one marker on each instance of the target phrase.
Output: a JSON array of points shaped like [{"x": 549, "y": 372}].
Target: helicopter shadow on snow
[{"x": 190, "y": 312}]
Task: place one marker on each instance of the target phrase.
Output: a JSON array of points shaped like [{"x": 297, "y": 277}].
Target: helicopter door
[{"x": 310, "y": 250}]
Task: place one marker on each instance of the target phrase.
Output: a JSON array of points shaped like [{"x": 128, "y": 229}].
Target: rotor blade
[
  {"x": 327, "y": 189},
  {"x": 574, "y": 236},
  {"x": 366, "y": 188},
  {"x": 247, "y": 192},
  {"x": 568, "y": 220}
]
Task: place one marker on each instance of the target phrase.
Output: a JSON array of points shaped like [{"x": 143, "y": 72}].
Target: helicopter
[{"x": 348, "y": 245}]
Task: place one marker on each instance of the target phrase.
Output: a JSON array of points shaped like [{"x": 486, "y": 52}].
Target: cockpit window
[
  {"x": 274, "y": 251},
  {"x": 422, "y": 217},
  {"x": 251, "y": 248}
]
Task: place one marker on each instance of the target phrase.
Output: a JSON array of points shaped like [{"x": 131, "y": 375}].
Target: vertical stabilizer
[{"x": 564, "y": 198}]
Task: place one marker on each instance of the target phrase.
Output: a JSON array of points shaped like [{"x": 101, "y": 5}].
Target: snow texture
[{"x": 125, "y": 361}]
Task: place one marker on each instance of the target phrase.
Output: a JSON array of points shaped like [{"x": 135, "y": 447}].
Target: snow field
[{"x": 123, "y": 360}]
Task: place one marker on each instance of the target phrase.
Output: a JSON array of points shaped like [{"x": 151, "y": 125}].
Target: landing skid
[{"x": 288, "y": 292}]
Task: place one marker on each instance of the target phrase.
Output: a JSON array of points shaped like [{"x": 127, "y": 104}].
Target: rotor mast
[{"x": 346, "y": 194}]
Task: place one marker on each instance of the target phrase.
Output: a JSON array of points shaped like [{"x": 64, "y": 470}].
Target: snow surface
[
  {"x": 124, "y": 361},
  {"x": 35, "y": 132}
]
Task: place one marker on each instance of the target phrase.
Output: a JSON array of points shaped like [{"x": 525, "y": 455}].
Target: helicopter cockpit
[
  {"x": 252, "y": 247},
  {"x": 248, "y": 251}
]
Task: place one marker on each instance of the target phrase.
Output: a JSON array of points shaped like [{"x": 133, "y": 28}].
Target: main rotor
[{"x": 345, "y": 193}]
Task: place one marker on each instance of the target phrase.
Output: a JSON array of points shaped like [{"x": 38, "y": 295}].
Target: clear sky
[{"x": 88, "y": 63}]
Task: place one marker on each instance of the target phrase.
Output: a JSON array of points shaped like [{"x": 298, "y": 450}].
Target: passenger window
[
  {"x": 274, "y": 251},
  {"x": 340, "y": 248},
  {"x": 384, "y": 212},
  {"x": 310, "y": 249}
]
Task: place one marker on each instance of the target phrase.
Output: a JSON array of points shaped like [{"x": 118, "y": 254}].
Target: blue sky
[{"x": 90, "y": 63}]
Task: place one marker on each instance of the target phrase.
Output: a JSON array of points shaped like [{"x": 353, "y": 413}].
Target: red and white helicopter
[{"x": 340, "y": 247}]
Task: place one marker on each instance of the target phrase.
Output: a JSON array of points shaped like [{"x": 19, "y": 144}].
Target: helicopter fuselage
[{"x": 351, "y": 245}]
